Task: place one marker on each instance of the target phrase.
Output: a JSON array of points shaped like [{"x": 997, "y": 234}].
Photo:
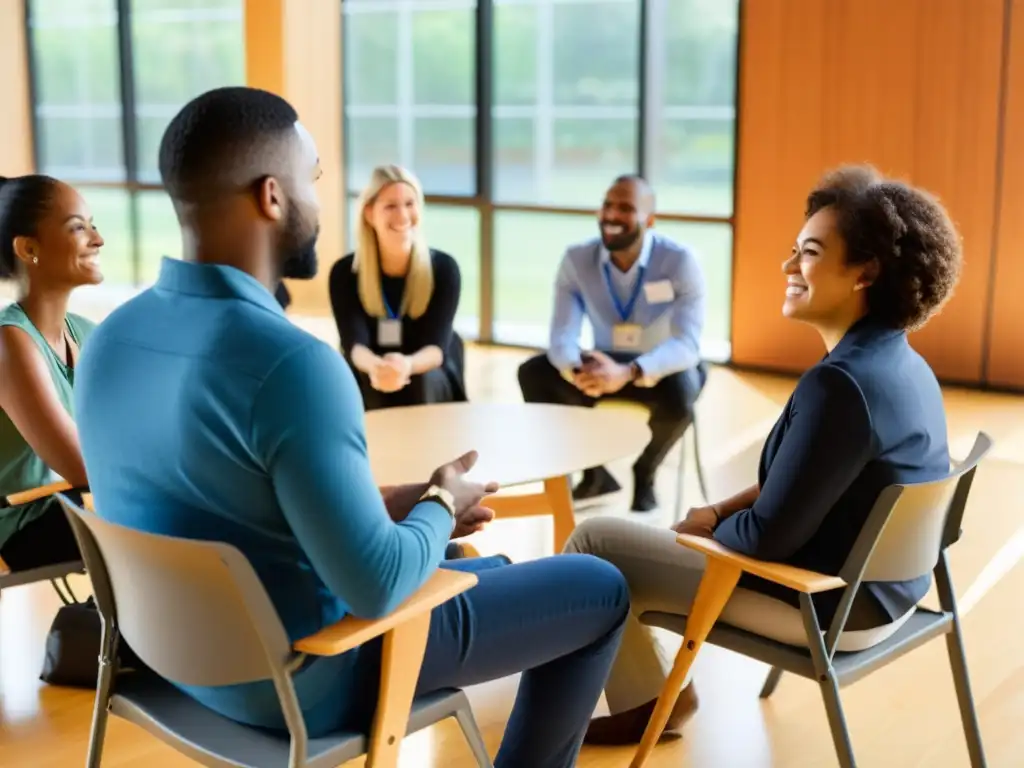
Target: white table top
[{"x": 518, "y": 442}]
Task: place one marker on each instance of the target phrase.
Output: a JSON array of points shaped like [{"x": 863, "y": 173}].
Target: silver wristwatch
[{"x": 442, "y": 497}]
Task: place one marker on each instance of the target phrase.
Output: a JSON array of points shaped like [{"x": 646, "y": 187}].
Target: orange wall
[
  {"x": 911, "y": 86},
  {"x": 293, "y": 48},
  {"x": 16, "y": 124},
  {"x": 1006, "y": 344}
]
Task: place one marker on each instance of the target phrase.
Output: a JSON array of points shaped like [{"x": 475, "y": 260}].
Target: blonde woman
[{"x": 394, "y": 300}]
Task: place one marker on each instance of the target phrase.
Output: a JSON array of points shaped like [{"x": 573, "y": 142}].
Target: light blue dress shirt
[{"x": 669, "y": 307}]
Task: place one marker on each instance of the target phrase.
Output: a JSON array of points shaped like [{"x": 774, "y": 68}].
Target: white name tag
[
  {"x": 626, "y": 337},
  {"x": 389, "y": 332},
  {"x": 659, "y": 291}
]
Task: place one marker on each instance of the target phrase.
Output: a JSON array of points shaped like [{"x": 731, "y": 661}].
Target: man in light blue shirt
[
  {"x": 204, "y": 413},
  {"x": 644, "y": 297}
]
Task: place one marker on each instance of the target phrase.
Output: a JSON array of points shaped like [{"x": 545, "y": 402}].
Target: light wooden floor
[{"x": 905, "y": 715}]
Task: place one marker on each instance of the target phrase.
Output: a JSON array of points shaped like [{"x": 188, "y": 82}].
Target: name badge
[
  {"x": 389, "y": 332},
  {"x": 626, "y": 337},
  {"x": 658, "y": 292}
]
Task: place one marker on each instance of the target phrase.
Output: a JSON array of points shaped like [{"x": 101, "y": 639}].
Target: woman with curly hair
[{"x": 874, "y": 260}]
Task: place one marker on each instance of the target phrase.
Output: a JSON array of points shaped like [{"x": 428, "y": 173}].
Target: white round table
[{"x": 518, "y": 443}]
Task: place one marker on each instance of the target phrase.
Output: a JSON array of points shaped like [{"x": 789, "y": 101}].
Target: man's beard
[
  {"x": 620, "y": 242},
  {"x": 301, "y": 263},
  {"x": 298, "y": 252}
]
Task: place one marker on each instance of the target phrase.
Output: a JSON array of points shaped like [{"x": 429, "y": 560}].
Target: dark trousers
[
  {"x": 47, "y": 540},
  {"x": 670, "y": 401},
  {"x": 445, "y": 384}
]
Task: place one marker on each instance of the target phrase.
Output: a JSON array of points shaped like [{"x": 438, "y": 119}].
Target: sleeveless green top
[{"x": 20, "y": 468}]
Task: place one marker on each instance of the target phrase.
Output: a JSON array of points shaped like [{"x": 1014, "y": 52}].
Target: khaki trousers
[{"x": 663, "y": 576}]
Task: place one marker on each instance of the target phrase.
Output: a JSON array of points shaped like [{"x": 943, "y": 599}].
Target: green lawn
[{"x": 528, "y": 247}]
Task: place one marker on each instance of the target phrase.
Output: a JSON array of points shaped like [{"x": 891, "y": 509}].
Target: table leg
[
  {"x": 715, "y": 589},
  {"x": 559, "y": 495}
]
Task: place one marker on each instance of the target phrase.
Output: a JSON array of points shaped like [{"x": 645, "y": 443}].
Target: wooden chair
[
  {"x": 195, "y": 612},
  {"x": 51, "y": 573},
  {"x": 905, "y": 536}
]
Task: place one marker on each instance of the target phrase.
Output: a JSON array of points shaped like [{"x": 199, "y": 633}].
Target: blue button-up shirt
[
  {"x": 670, "y": 314},
  {"x": 203, "y": 412}
]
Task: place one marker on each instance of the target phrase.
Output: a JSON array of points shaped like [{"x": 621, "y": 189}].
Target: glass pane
[
  {"x": 410, "y": 91},
  {"x": 159, "y": 234},
  {"x": 180, "y": 48},
  {"x": 692, "y": 73},
  {"x": 454, "y": 229},
  {"x": 110, "y": 211},
  {"x": 78, "y": 95},
  {"x": 566, "y": 89},
  {"x": 530, "y": 246}
]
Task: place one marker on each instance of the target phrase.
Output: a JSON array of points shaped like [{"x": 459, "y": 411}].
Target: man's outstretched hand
[{"x": 470, "y": 514}]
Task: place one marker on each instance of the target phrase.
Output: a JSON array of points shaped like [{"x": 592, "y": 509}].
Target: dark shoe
[
  {"x": 644, "y": 499},
  {"x": 596, "y": 482},
  {"x": 628, "y": 727}
]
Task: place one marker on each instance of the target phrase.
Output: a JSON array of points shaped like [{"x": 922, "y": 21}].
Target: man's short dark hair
[
  {"x": 224, "y": 138},
  {"x": 643, "y": 187},
  {"x": 905, "y": 230}
]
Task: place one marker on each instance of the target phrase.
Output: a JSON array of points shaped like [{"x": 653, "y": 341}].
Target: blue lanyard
[
  {"x": 392, "y": 315},
  {"x": 627, "y": 311}
]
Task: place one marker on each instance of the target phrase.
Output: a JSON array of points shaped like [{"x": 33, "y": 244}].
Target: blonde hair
[{"x": 419, "y": 280}]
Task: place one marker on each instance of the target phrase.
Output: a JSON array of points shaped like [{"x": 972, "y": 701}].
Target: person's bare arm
[{"x": 29, "y": 398}]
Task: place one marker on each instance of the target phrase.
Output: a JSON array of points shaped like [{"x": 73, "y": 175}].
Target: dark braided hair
[
  {"x": 24, "y": 200},
  {"x": 905, "y": 231}
]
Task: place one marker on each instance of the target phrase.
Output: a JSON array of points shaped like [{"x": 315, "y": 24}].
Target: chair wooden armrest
[
  {"x": 34, "y": 494},
  {"x": 721, "y": 574},
  {"x": 351, "y": 631},
  {"x": 405, "y": 641},
  {"x": 799, "y": 579}
]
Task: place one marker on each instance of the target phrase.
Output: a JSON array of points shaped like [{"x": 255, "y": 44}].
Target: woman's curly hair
[{"x": 905, "y": 231}]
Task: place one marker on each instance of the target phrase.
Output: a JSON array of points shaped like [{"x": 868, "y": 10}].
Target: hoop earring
[{"x": 35, "y": 259}]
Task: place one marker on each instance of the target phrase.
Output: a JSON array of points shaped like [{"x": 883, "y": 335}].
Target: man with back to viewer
[
  {"x": 644, "y": 297},
  {"x": 205, "y": 413}
]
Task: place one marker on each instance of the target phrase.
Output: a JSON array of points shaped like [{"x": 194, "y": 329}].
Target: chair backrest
[
  {"x": 911, "y": 524},
  {"x": 194, "y": 611}
]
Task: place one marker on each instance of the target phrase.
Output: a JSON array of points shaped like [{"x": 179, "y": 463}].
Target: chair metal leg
[
  {"x": 829, "y": 685},
  {"x": 837, "y": 721},
  {"x": 473, "y": 736},
  {"x": 771, "y": 682},
  {"x": 968, "y": 713},
  {"x": 679, "y": 483},
  {"x": 104, "y": 686},
  {"x": 700, "y": 467}
]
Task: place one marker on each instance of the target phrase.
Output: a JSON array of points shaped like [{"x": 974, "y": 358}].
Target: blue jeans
[{"x": 558, "y": 620}]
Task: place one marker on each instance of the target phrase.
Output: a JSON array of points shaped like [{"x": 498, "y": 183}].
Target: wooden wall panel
[
  {"x": 16, "y": 123},
  {"x": 911, "y": 86},
  {"x": 1006, "y": 349},
  {"x": 293, "y": 47}
]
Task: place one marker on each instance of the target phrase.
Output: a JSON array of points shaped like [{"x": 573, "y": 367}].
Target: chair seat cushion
[{"x": 214, "y": 740}]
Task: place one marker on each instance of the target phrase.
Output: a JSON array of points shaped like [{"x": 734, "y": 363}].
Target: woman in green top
[{"x": 49, "y": 244}]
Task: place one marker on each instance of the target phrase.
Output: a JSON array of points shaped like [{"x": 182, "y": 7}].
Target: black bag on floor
[{"x": 73, "y": 647}]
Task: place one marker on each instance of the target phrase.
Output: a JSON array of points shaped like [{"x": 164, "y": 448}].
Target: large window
[
  {"x": 108, "y": 75},
  {"x": 517, "y": 114}
]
